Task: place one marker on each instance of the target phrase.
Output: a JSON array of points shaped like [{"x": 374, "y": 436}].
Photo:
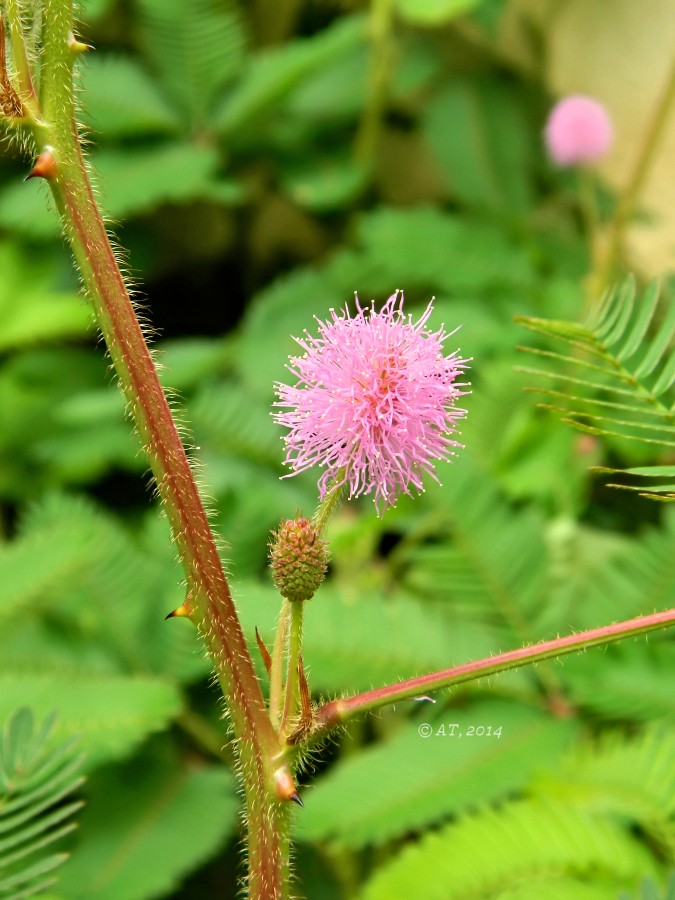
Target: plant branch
[
  {"x": 337, "y": 712},
  {"x": 209, "y": 602}
]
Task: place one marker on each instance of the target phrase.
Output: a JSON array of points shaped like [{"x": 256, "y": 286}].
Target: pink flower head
[
  {"x": 578, "y": 130},
  {"x": 373, "y": 402}
]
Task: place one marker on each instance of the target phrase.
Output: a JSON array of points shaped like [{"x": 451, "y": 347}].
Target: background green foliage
[{"x": 261, "y": 162}]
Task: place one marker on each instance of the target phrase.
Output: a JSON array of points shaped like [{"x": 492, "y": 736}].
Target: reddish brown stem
[{"x": 209, "y": 601}]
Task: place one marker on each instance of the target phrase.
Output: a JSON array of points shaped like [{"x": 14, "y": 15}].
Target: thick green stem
[
  {"x": 209, "y": 600},
  {"x": 294, "y": 651},
  {"x": 277, "y": 672}
]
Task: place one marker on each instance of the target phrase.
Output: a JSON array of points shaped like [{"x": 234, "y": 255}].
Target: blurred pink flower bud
[{"x": 578, "y": 130}]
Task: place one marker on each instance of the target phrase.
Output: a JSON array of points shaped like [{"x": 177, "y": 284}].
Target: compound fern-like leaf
[
  {"x": 617, "y": 380},
  {"x": 36, "y": 780}
]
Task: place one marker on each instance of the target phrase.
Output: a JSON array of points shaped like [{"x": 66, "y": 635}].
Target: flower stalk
[{"x": 291, "y": 701}]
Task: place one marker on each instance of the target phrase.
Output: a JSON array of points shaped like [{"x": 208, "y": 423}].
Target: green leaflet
[
  {"x": 75, "y": 575},
  {"x": 44, "y": 438},
  {"x": 506, "y": 584},
  {"x": 37, "y": 780},
  {"x": 557, "y": 888},
  {"x": 495, "y": 849},
  {"x": 629, "y": 777},
  {"x": 147, "y": 824},
  {"x": 194, "y": 55},
  {"x": 631, "y": 681},
  {"x": 617, "y": 380}
]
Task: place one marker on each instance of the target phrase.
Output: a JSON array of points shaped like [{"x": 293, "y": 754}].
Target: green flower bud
[{"x": 298, "y": 558}]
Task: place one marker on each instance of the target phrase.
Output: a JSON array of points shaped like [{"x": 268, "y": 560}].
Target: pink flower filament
[{"x": 373, "y": 402}]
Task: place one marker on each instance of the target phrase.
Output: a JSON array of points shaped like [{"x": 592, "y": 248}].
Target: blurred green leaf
[
  {"x": 479, "y": 131},
  {"x": 147, "y": 824},
  {"x": 36, "y": 782},
  {"x": 326, "y": 184},
  {"x": 273, "y": 74},
  {"x": 28, "y": 210},
  {"x": 122, "y": 100},
  {"x": 494, "y": 850},
  {"x": 194, "y": 55},
  {"x": 410, "y": 781},
  {"x": 130, "y": 183},
  {"x": 434, "y": 12},
  {"x": 112, "y": 713},
  {"x": 32, "y": 306},
  {"x": 153, "y": 175}
]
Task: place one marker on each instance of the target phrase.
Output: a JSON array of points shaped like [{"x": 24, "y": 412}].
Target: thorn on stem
[
  {"x": 45, "y": 166},
  {"x": 286, "y": 789},
  {"x": 76, "y": 46},
  {"x": 184, "y": 611}
]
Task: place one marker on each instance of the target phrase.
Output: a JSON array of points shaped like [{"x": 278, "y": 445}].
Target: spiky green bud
[{"x": 298, "y": 558}]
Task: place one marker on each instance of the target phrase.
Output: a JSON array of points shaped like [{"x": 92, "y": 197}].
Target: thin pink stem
[{"x": 337, "y": 712}]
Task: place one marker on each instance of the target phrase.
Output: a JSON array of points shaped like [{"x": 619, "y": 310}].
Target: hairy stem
[
  {"x": 329, "y": 504},
  {"x": 294, "y": 651},
  {"x": 20, "y": 56},
  {"x": 209, "y": 601},
  {"x": 277, "y": 672},
  {"x": 337, "y": 712}
]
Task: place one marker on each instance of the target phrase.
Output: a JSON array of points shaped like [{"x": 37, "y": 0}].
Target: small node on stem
[{"x": 45, "y": 166}]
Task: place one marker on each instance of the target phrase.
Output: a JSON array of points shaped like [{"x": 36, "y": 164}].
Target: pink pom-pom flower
[
  {"x": 578, "y": 130},
  {"x": 373, "y": 403}
]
